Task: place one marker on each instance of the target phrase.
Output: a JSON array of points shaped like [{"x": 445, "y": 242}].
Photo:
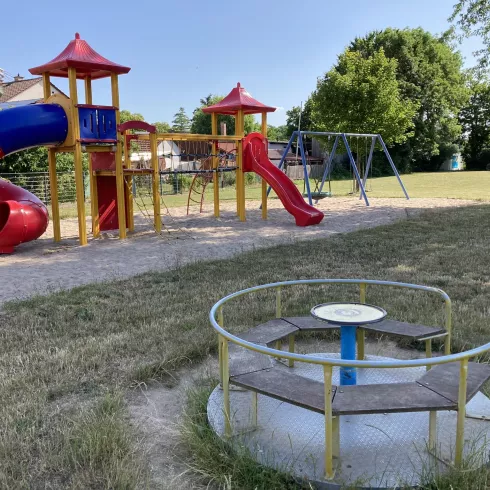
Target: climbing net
[{"x": 186, "y": 167}]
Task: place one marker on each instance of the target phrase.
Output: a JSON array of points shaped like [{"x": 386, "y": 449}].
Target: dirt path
[{"x": 41, "y": 267}]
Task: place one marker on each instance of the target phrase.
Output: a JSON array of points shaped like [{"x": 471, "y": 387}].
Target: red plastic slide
[
  {"x": 23, "y": 217},
  {"x": 255, "y": 159}
]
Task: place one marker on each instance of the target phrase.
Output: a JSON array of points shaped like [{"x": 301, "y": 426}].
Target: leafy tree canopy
[
  {"x": 472, "y": 18},
  {"x": 36, "y": 160},
  {"x": 475, "y": 120},
  {"x": 130, "y": 116},
  {"x": 162, "y": 127},
  {"x": 277, "y": 133},
  {"x": 429, "y": 74},
  {"x": 292, "y": 118},
  {"x": 361, "y": 95},
  {"x": 181, "y": 123}
]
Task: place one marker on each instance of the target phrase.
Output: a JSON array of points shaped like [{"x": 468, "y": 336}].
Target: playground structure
[
  {"x": 360, "y": 177},
  {"x": 65, "y": 125},
  {"x": 348, "y": 419}
]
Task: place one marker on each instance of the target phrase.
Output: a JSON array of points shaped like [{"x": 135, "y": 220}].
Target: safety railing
[
  {"x": 38, "y": 183},
  {"x": 216, "y": 318}
]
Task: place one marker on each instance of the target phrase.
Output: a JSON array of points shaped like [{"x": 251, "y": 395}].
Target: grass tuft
[
  {"x": 214, "y": 460},
  {"x": 99, "y": 449}
]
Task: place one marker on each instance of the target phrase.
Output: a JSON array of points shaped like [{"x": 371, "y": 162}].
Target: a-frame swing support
[{"x": 340, "y": 136}]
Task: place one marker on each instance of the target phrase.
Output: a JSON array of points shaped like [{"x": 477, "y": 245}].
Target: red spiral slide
[
  {"x": 255, "y": 159},
  {"x": 23, "y": 217}
]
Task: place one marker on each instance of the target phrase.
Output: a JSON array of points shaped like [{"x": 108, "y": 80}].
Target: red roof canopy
[
  {"x": 238, "y": 99},
  {"x": 78, "y": 54}
]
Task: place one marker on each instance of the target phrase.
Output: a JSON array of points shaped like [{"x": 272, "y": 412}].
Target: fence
[{"x": 38, "y": 184}]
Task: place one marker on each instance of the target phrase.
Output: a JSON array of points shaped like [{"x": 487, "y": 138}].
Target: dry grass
[{"x": 64, "y": 358}]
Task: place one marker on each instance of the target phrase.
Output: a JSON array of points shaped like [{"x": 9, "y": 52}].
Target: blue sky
[{"x": 181, "y": 51}]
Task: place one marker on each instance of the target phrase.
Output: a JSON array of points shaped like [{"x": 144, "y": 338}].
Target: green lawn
[
  {"x": 454, "y": 185},
  {"x": 68, "y": 360}
]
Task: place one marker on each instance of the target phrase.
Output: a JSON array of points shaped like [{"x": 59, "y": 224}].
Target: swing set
[{"x": 360, "y": 171}]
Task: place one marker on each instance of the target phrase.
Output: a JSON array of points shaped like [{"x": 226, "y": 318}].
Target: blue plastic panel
[
  {"x": 97, "y": 125},
  {"x": 107, "y": 124},
  {"x": 88, "y": 123}
]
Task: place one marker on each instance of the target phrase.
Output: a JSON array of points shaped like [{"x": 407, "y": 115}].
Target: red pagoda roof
[
  {"x": 78, "y": 54},
  {"x": 238, "y": 99}
]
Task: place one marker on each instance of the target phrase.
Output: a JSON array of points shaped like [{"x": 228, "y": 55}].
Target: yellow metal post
[
  {"x": 291, "y": 349},
  {"x": 278, "y": 303},
  {"x": 449, "y": 324},
  {"x": 94, "y": 201},
  {"x": 121, "y": 202},
  {"x": 46, "y": 86},
  {"x": 220, "y": 345},
  {"x": 278, "y": 343},
  {"x": 463, "y": 375},
  {"x": 264, "y": 183},
  {"x": 226, "y": 388},
  {"x": 336, "y": 437},
  {"x": 88, "y": 90},
  {"x": 428, "y": 351},
  {"x": 82, "y": 228},
  {"x": 94, "y": 205},
  {"x": 156, "y": 184},
  {"x": 129, "y": 186},
  {"x": 432, "y": 430},
  {"x": 53, "y": 184},
  {"x": 214, "y": 151},
  {"x": 360, "y": 333},
  {"x": 241, "y": 181},
  {"x": 220, "y": 359},
  {"x": 329, "y": 429}
]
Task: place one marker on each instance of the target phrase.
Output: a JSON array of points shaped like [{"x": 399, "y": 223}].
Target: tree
[
  {"x": 361, "y": 95},
  {"x": 162, "y": 127},
  {"x": 277, "y": 133},
  {"x": 126, "y": 116},
  {"x": 473, "y": 19},
  {"x": 201, "y": 122},
  {"x": 36, "y": 160},
  {"x": 181, "y": 123},
  {"x": 429, "y": 73},
  {"x": 475, "y": 120},
  {"x": 293, "y": 118}
]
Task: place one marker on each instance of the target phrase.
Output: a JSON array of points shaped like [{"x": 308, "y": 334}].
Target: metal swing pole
[
  {"x": 388, "y": 156},
  {"x": 305, "y": 169},
  {"x": 354, "y": 169},
  {"x": 368, "y": 165},
  {"x": 329, "y": 163}
]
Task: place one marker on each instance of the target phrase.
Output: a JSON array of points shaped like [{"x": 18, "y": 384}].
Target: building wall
[
  {"x": 34, "y": 92},
  {"x": 166, "y": 152}
]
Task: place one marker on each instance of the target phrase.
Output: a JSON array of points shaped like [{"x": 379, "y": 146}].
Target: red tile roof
[
  {"x": 12, "y": 89},
  {"x": 78, "y": 54},
  {"x": 238, "y": 99}
]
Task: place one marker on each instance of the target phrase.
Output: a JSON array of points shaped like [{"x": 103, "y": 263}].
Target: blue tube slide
[{"x": 32, "y": 125}]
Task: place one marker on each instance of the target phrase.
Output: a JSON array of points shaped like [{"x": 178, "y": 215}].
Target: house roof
[
  {"x": 80, "y": 55},
  {"x": 12, "y": 89},
  {"x": 16, "y": 103},
  {"x": 238, "y": 99}
]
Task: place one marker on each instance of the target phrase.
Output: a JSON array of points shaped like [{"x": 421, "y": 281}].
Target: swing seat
[{"x": 319, "y": 195}]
